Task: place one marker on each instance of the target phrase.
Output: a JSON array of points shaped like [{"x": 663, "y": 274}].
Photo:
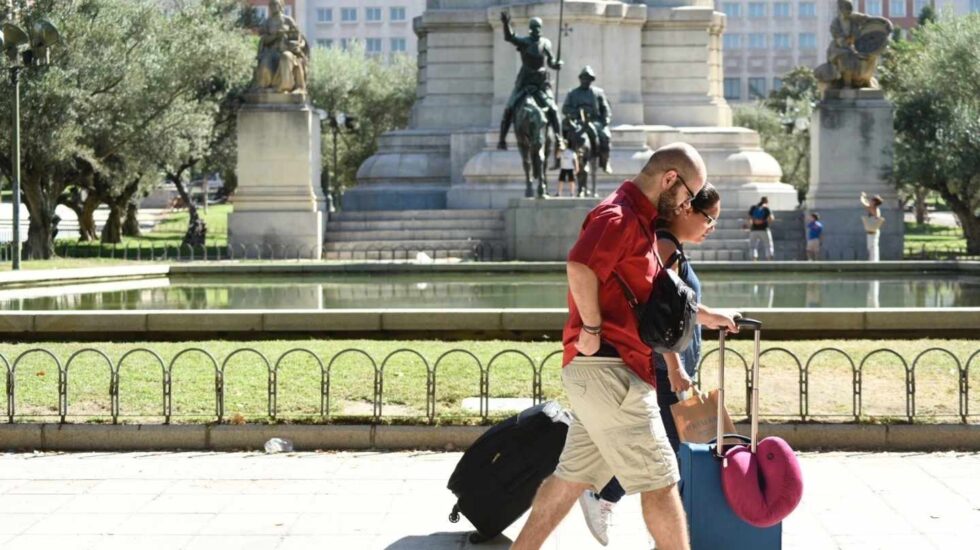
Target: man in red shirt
[{"x": 607, "y": 369}]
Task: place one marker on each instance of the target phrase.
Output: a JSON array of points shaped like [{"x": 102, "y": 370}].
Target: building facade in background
[
  {"x": 765, "y": 39},
  {"x": 384, "y": 27}
]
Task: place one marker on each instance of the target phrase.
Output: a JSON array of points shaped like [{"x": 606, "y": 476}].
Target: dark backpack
[{"x": 667, "y": 320}]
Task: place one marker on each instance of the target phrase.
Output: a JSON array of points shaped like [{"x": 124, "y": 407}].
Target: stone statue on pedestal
[
  {"x": 857, "y": 41},
  {"x": 283, "y": 54},
  {"x": 586, "y": 111},
  {"x": 532, "y": 80}
]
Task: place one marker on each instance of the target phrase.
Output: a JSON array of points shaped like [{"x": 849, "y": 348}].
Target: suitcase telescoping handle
[{"x": 756, "y": 326}]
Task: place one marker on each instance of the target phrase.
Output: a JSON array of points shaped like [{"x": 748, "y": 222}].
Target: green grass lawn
[
  {"x": 457, "y": 377},
  {"x": 932, "y": 238}
]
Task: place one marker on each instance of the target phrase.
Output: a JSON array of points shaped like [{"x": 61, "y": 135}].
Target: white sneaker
[{"x": 598, "y": 515}]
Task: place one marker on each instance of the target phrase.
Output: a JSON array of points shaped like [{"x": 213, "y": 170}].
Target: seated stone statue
[
  {"x": 857, "y": 41},
  {"x": 283, "y": 54}
]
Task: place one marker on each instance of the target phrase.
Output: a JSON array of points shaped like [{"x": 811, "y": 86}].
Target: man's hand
[
  {"x": 679, "y": 379},
  {"x": 587, "y": 343},
  {"x": 505, "y": 17}
]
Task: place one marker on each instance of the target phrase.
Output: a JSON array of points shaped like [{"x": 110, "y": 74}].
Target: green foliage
[
  {"x": 379, "y": 94},
  {"x": 933, "y": 80},
  {"x": 135, "y": 87},
  {"x": 782, "y": 121}
]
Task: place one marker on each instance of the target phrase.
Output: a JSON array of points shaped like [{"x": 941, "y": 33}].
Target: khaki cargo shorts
[{"x": 616, "y": 429}]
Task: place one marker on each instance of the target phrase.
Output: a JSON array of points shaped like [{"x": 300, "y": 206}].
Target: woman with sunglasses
[{"x": 674, "y": 371}]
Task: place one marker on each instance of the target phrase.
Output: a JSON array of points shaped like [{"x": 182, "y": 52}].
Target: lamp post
[
  {"x": 338, "y": 122},
  {"x": 23, "y": 50}
]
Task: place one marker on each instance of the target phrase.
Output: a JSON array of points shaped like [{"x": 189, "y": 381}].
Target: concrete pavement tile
[
  {"x": 8, "y": 485},
  {"x": 77, "y": 524},
  {"x": 308, "y": 542},
  {"x": 224, "y": 542},
  {"x": 131, "y": 487},
  {"x": 352, "y": 503},
  {"x": 315, "y": 524},
  {"x": 164, "y": 524},
  {"x": 37, "y": 542},
  {"x": 143, "y": 542},
  {"x": 25, "y": 504},
  {"x": 433, "y": 541},
  {"x": 105, "y": 504},
  {"x": 250, "y": 524},
  {"x": 15, "y": 524},
  {"x": 884, "y": 542},
  {"x": 54, "y": 487},
  {"x": 186, "y": 504},
  {"x": 338, "y": 524},
  {"x": 257, "y": 504}
]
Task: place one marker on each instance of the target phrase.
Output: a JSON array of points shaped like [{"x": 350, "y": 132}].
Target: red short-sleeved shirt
[{"x": 613, "y": 240}]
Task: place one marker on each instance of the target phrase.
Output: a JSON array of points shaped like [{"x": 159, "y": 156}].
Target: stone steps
[
  {"x": 430, "y": 224},
  {"x": 390, "y": 215},
  {"x": 420, "y": 245},
  {"x": 414, "y": 235}
]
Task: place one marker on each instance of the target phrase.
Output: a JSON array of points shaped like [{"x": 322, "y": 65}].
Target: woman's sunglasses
[{"x": 711, "y": 220}]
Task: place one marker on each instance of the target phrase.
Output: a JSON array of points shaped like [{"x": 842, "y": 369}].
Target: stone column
[
  {"x": 682, "y": 67},
  {"x": 279, "y": 205},
  {"x": 851, "y": 151}
]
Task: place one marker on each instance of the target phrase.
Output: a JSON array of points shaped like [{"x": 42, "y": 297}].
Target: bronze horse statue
[{"x": 531, "y": 131}]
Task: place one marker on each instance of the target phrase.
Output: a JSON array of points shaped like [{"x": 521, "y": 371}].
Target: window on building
[
  {"x": 262, "y": 12},
  {"x": 372, "y": 14},
  {"x": 896, "y": 8},
  {"x": 873, "y": 7},
  {"x": 324, "y": 15},
  {"x": 732, "y": 41},
  {"x": 808, "y": 9},
  {"x": 777, "y": 84},
  {"x": 733, "y": 88},
  {"x": 397, "y": 14},
  {"x": 348, "y": 15},
  {"x": 757, "y": 41},
  {"x": 780, "y": 41},
  {"x": 780, "y": 9},
  {"x": 918, "y": 5},
  {"x": 324, "y": 43},
  {"x": 372, "y": 46},
  {"x": 346, "y": 43},
  {"x": 808, "y": 41},
  {"x": 399, "y": 45},
  {"x": 757, "y": 9},
  {"x": 757, "y": 87},
  {"x": 974, "y": 6},
  {"x": 732, "y": 9}
]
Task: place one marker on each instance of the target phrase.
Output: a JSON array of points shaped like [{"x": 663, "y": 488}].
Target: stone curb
[{"x": 223, "y": 437}]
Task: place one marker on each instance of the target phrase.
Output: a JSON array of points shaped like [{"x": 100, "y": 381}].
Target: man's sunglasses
[{"x": 690, "y": 193}]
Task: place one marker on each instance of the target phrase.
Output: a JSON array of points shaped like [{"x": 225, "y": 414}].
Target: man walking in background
[
  {"x": 814, "y": 237},
  {"x": 759, "y": 219}
]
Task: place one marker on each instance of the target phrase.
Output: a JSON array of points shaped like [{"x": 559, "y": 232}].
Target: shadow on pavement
[{"x": 440, "y": 541}]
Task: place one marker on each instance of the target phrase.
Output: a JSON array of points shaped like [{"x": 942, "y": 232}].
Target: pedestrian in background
[{"x": 814, "y": 237}]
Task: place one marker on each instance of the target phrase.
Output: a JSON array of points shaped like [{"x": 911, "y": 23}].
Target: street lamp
[
  {"x": 24, "y": 50},
  {"x": 338, "y": 122}
]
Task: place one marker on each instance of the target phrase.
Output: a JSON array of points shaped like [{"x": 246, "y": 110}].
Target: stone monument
[
  {"x": 660, "y": 62},
  {"x": 851, "y": 137},
  {"x": 279, "y": 208}
]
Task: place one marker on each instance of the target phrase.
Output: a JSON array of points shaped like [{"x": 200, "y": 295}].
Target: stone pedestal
[
  {"x": 280, "y": 210},
  {"x": 544, "y": 229},
  {"x": 850, "y": 152}
]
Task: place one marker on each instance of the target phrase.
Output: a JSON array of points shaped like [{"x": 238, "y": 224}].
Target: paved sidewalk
[{"x": 399, "y": 501}]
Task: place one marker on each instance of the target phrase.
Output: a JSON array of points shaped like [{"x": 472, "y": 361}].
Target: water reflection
[{"x": 486, "y": 291}]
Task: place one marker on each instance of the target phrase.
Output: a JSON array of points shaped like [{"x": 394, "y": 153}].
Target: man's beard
[{"x": 668, "y": 202}]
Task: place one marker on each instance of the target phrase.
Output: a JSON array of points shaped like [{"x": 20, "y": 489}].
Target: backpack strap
[{"x": 678, "y": 255}]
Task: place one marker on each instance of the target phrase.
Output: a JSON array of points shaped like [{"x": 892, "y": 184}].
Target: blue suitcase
[{"x": 711, "y": 522}]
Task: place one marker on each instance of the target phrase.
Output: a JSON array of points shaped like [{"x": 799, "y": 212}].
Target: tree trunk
[
  {"x": 86, "y": 222},
  {"x": 921, "y": 214},
  {"x": 131, "y": 226},
  {"x": 112, "y": 231},
  {"x": 40, "y": 207},
  {"x": 197, "y": 230},
  {"x": 968, "y": 221}
]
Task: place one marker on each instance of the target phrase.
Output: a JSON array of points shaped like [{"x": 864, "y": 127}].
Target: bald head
[
  {"x": 672, "y": 175},
  {"x": 680, "y": 157}
]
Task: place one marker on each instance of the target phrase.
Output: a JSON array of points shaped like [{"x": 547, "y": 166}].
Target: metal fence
[
  {"x": 809, "y": 374},
  {"x": 151, "y": 251}
]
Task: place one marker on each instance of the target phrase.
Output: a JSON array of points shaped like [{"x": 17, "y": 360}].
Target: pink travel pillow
[{"x": 762, "y": 488}]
